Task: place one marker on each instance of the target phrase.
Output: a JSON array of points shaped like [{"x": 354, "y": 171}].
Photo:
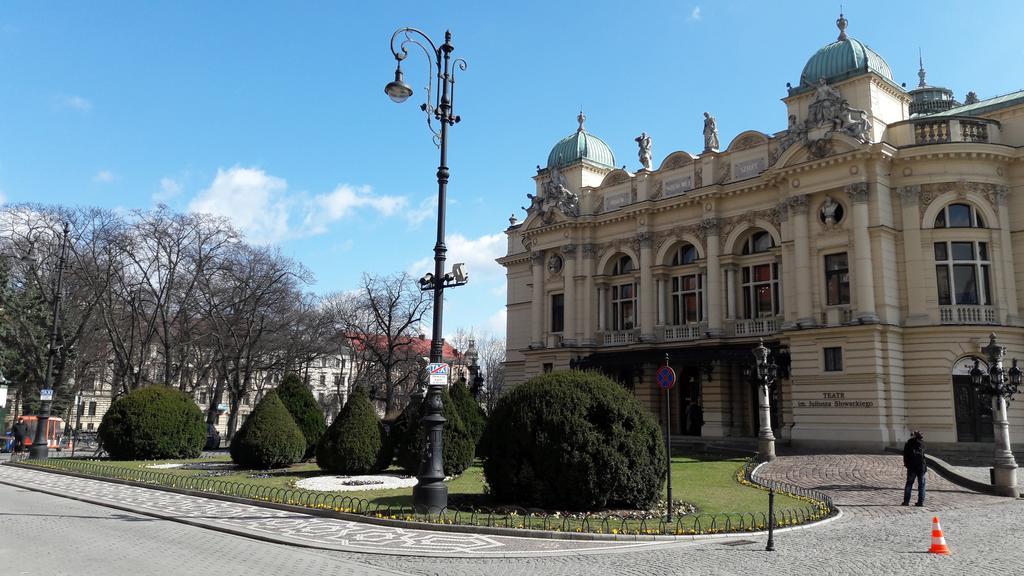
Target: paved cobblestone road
[{"x": 875, "y": 535}]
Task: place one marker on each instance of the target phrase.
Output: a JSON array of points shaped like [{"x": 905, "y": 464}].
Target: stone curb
[
  {"x": 663, "y": 540},
  {"x": 946, "y": 470}
]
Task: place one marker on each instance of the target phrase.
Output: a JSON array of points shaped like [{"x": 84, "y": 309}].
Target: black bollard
[{"x": 771, "y": 521}]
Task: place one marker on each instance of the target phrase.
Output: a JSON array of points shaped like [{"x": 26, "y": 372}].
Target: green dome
[
  {"x": 842, "y": 59},
  {"x": 581, "y": 145}
]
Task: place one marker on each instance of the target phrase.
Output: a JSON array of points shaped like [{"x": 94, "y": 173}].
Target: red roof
[{"x": 419, "y": 346}]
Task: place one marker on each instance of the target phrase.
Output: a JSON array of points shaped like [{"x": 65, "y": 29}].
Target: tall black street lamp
[
  {"x": 1001, "y": 385},
  {"x": 40, "y": 448},
  {"x": 765, "y": 374},
  {"x": 430, "y": 493}
]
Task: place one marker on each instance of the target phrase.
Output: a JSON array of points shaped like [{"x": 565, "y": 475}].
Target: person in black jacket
[
  {"x": 917, "y": 467},
  {"x": 20, "y": 432}
]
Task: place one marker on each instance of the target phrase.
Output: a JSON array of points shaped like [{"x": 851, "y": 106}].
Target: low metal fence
[{"x": 818, "y": 505}]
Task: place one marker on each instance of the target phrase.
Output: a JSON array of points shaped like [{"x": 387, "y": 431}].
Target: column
[
  {"x": 537, "y": 306},
  {"x": 730, "y": 292},
  {"x": 1006, "y": 252},
  {"x": 662, "y": 282},
  {"x": 798, "y": 214},
  {"x": 913, "y": 259},
  {"x": 710, "y": 226},
  {"x": 602, "y": 308},
  {"x": 646, "y": 290},
  {"x": 569, "y": 278},
  {"x": 589, "y": 295},
  {"x": 862, "y": 248}
]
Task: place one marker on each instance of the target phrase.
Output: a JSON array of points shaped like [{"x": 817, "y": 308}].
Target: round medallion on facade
[
  {"x": 795, "y": 182},
  {"x": 908, "y": 171},
  {"x": 831, "y": 212},
  {"x": 854, "y": 170},
  {"x": 555, "y": 264}
]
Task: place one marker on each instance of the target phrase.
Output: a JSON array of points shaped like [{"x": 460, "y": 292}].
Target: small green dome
[
  {"x": 581, "y": 145},
  {"x": 842, "y": 59}
]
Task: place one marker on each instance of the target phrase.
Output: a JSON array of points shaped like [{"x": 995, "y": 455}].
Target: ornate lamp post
[
  {"x": 1001, "y": 385},
  {"x": 765, "y": 373},
  {"x": 40, "y": 448},
  {"x": 430, "y": 493}
]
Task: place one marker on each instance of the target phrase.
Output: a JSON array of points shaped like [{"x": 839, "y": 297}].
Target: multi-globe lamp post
[
  {"x": 765, "y": 373},
  {"x": 1001, "y": 385},
  {"x": 430, "y": 493},
  {"x": 40, "y": 447}
]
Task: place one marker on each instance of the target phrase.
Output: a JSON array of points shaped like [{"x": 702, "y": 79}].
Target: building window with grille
[
  {"x": 959, "y": 216},
  {"x": 686, "y": 299},
  {"x": 837, "y": 279},
  {"x": 962, "y": 272},
  {"x": 833, "y": 359},
  {"x": 92, "y": 408},
  {"x": 89, "y": 426},
  {"x": 623, "y": 306},
  {"x": 761, "y": 290},
  {"x": 557, "y": 312}
]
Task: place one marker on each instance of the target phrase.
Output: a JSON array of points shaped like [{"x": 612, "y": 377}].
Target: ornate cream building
[{"x": 874, "y": 245}]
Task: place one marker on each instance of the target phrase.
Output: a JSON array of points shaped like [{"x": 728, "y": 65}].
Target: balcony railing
[
  {"x": 620, "y": 337},
  {"x": 836, "y": 316},
  {"x": 692, "y": 331},
  {"x": 963, "y": 314},
  {"x": 931, "y": 132},
  {"x": 756, "y": 326}
]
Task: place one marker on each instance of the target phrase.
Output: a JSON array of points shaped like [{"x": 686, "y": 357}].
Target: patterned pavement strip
[{"x": 307, "y": 530}]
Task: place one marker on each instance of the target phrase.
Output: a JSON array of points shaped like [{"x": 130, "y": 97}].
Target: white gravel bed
[
  {"x": 353, "y": 483},
  {"x": 165, "y": 466}
]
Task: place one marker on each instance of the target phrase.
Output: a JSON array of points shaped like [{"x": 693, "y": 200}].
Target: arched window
[
  {"x": 758, "y": 242},
  {"x": 685, "y": 254},
  {"x": 959, "y": 216},
  {"x": 623, "y": 296}
]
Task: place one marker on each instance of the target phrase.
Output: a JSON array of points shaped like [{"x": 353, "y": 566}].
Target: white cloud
[
  {"x": 695, "y": 13},
  {"x": 169, "y": 189},
  {"x": 478, "y": 254},
  {"x": 253, "y": 200},
  {"x": 425, "y": 210},
  {"x": 327, "y": 208},
  {"x": 73, "y": 102},
  {"x": 104, "y": 177},
  {"x": 261, "y": 206}
]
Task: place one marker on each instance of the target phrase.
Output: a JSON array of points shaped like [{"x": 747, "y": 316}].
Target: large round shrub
[
  {"x": 354, "y": 442},
  {"x": 305, "y": 410},
  {"x": 152, "y": 423},
  {"x": 269, "y": 437},
  {"x": 575, "y": 441},
  {"x": 459, "y": 446}
]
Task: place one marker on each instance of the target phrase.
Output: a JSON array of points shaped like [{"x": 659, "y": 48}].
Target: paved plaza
[{"x": 874, "y": 535}]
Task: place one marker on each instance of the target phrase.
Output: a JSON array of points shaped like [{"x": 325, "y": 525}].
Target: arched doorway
[{"x": 973, "y": 410}]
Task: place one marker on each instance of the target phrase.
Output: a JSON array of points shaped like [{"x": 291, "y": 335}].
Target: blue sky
[{"x": 273, "y": 113}]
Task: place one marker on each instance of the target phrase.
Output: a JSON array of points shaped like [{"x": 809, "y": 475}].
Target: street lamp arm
[{"x": 433, "y": 53}]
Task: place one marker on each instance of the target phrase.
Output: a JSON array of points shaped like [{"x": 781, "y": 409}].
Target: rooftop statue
[
  {"x": 555, "y": 196},
  {"x": 710, "y": 133},
  {"x": 644, "y": 140}
]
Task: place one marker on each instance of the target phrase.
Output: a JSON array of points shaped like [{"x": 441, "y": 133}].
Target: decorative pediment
[
  {"x": 747, "y": 140},
  {"x": 617, "y": 176},
  {"x": 677, "y": 160}
]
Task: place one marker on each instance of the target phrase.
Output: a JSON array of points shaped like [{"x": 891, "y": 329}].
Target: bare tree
[{"x": 382, "y": 320}]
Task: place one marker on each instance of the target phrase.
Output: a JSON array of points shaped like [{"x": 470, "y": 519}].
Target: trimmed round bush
[
  {"x": 269, "y": 437},
  {"x": 354, "y": 442},
  {"x": 573, "y": 441},
  {"x": 459, "y": 447},
  {"x": 153, "y": 423},
  {"x": 472, "y": 415},
  {"x": 305, "y": 410}
]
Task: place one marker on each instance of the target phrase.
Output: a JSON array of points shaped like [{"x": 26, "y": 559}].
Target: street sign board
[
  {"x": 438, "y": 372},
  {"x": 46, "y": 394},
  {"x": 666, "y": 377}
]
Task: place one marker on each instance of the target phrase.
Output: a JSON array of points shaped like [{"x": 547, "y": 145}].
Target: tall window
[
  {"x": 837, "y": 279},
  {"x": 962, "y": 273},
  {"x": 959, "y": 216},
  {"x": 92, "y": 408},
  {"x": 833, "y": 359},
  {"x": 623, "y": 297},
  {"x": 323, "y": 380},
  {"x": 557, "y": 312},
  {"x": 760, "y": 290},
  {"x": 686, "y": 299}
]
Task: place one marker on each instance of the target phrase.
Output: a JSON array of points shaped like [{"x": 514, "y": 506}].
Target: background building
[{"x": 871, "y": 244}]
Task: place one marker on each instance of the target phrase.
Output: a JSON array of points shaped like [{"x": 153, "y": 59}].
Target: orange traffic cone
[{"x": 938, "y": 540}]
